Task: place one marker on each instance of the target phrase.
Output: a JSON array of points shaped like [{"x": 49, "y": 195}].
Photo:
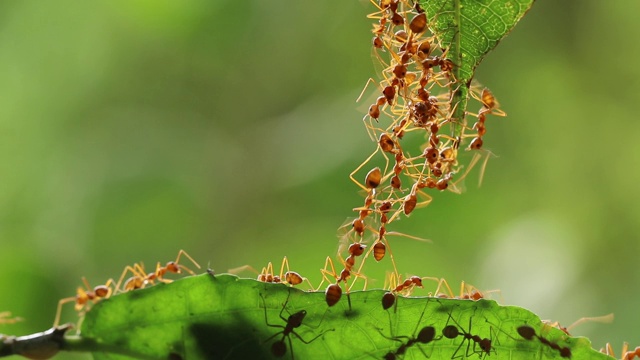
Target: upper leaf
[{"x": 469, "y": 29}]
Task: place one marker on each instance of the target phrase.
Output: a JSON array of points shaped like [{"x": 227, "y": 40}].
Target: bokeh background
[{"x": 132, "y": 129}]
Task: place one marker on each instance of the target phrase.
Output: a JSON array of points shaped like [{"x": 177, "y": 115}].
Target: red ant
[
  {"x": 5, "y": 318},
  {"x": 333, "y": 291},
  {"x": 141, "y": 279},
  {"x": 626, "y": 354},
  {"x": 83, "y": 297},
  {"x": 267, "y": 274},
  {"x": 279, "y": 348},
  {"x": 601, "y": 319}
]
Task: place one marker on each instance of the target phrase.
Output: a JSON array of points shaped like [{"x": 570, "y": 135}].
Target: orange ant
[
  {"x": 288, "y": 277},
  {"x": 467, "y": 291},
  {"x": 333, "y": 293},
  {"x": 83, "y": 297},
  {"x": 601, "y": 319},
  {"x": 625, "y": 353},
  {"x": 140, "y": 278},
  {"x": 5, "y": 318},
  {"x": 279, "y": 348},
  {"x": 453, "y": 331},
  {"x": 528, "y": 333},
  {"x": 267, "y": 274}
]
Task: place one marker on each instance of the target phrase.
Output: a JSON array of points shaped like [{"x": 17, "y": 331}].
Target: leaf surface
[
  {"x": 469, "y": 29},
  {"x": 224, "y": 317}
]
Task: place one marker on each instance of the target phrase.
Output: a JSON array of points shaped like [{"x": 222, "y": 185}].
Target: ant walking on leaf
[
  {"x": 83, "y": 297},
  {"x": 268, "y": 275},
  {"x": 333, "y": 293},
  {"x": 5, "y": 318},
  {"x": 140, "y": 278},
  {"x": 294, "y": 321},
  {"x": 625, "y": 354}
]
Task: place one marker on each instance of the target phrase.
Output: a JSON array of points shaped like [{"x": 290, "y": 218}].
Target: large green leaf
[{"x": 223, "y": 317}]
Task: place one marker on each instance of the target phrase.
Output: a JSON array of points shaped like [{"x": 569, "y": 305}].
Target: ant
[
  {"x": 289, "y": 277},
  {"x": 528, "y": 333},
  {"x": 601, "y": 319},
  {"x": 453, "y": 331},
  {"x": 398, "y": 286},
  {"x": 267, "y": 274},
  {"x": 467, "y": 291},
  {"x": 5, "y": 318},
  {"x": 334, "y": 291},
  {"x": 141, "y": 279},
  {"x": 625, "y": 353},
  {"x": 426, "y": 335},
  {"x": 279, "y": 348},
  {"x": 83, "y": 296}
]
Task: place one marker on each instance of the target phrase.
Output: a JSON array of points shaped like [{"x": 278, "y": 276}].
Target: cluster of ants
[
  {"x": 139, "y": 278},
  {"x": 416, "y": 91},
  {"x": 418, "y": 82}
]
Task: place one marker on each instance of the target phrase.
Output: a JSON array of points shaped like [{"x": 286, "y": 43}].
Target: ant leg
[
  {"x": 325, "y": 272},
  {"x": 137, "y": 271},
  {"x": 356, "y": 277},
  {"x": 56, "y": 321},
  {"x": 239, "y": 269},
  {"x": 368, "y": 190},
  {"x": 284, "y": 307},
  {"x": 266, "y": 320},
  {"x": 285, "y": 261},
  {"x": 177, "y": 261}
]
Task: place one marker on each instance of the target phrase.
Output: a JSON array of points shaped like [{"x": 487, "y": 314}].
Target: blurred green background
[{"x": 132, "y": 129}]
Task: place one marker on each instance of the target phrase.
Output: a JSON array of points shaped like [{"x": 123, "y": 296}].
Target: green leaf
[
  {"x": 223, "y": 317},
  {"x": 468, "y": 30}
]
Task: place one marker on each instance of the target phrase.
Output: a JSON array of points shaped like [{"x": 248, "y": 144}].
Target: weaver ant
[
  {"x": 141, "y": 279},
  {"x": 5, "y": 318},
  {"x": 84, "y": 296},
  {"x": 334, "y": 291},
  {"x": 625, "y": 354}
]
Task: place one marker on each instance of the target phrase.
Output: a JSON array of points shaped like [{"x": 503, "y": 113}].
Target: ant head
[
  {"x": 356, "y": 249},
  {"x": 417, "y": 280},
  {"x": 173, "y": 267},
  {"x": 295, "y": 320}
]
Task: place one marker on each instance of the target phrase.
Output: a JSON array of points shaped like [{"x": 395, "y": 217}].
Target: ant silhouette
[
  {"x": 279, "y": 348},
  {"x": 453, "y": 331}
]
